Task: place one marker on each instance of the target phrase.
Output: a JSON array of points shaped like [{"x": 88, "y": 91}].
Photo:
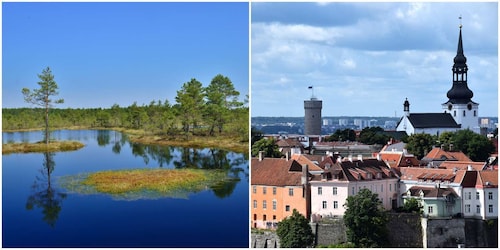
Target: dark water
[{"x": 38, "y": 212}]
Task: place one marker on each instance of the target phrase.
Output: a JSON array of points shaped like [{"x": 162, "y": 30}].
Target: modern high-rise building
[{"x": 312, "y": 116}]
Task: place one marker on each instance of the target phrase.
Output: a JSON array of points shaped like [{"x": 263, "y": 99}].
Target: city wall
[{"x": 405, "y": 231}]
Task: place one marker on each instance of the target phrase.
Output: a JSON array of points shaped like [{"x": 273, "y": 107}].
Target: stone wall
[
  {"x": 405, "y": 230},
  {"x": 267, "y": 239},
  {"x": 328, "y": 232},
  {"x": 481, "y": 233},
  {"x": 441, "y": 233}
]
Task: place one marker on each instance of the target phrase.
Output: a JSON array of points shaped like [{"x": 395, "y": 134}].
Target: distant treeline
[{"x": 197, "y": 111}]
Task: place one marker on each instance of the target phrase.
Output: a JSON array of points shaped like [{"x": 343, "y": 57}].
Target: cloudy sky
[
  {"x": 364, "y": 59},
  {"x": 120, "y": 53}
]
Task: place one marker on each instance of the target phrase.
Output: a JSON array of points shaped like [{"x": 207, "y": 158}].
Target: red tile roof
[
  {"x": 462, "y": 165},
  {"x": 302, "y": 159},
  {"x": 276, "y": 172},
  {"x": 441, "y": 155},
  {"x": 432, "y": 192},
  {"x": 488, "y": 178},
  {"x": 412, "y": 173}
]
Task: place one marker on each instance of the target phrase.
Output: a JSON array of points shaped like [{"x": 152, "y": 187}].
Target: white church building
[{"x": 459, "y": 112}]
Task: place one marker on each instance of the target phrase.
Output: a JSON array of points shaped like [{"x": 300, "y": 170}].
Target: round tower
[{"x": 312, "y": 117}]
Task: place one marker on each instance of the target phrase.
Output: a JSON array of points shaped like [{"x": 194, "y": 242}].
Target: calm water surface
[{"x": 38, "y": 212}]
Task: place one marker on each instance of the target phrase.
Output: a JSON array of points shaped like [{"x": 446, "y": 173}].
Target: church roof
[{"x": 432, "y": 120}]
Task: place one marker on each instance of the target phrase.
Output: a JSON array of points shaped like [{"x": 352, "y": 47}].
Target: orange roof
[
  {"x": 412, "y": 173},
  {"x": 488, "y": 176},
  {"x": 462, "y": 165},
  {"x": 276, "y": 172},
  {"x": 303, "y": 160},
  {"x": 393, "y": 159},
  {"x": 440, "y": 154}
]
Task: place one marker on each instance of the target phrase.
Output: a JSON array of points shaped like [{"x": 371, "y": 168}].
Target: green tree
[
  {"x": 221, "y": 97},
  {"x": 366, "y": 220},
  {"x": 342, "y": 135},
  {"x": 42, "y": 96},
  {"x": 268, "y": 146},
  {"x": 295, "y": 232},
  {"x": 420, "y": 144},
  {"x": 412, "y": 205},
  {"x": 476, "y": 146},
  {"x": 373, "y": 135},
  {"x": 256, "y": 135},
  {"x": 190, "y": 103}
]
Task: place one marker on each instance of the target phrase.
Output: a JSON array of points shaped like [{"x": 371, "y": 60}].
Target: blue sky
[
  {"x": 364, "y": 59},
  {"x": 120, "y": 53}
]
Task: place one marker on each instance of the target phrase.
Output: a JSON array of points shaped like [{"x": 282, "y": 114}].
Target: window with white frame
[
  {"x": 264, "y": 190},
  {"x": 324, "y": 205},
  {"x": 287, "y": 208},
  {"x": 490, "y": 195},
  {"x": 468, "y": 196},
  {"x": 274, "y": 190},
  {"x": 264, "y": 204},
  {"x": 335, "y": 204},
  {"x": 254, "y": 189},
  {"x": 334, "y": 190},
  {"x": 430, "y": 209},
  {"x": 274, "y": 204},
  {"x": 490, "y": 209},
  {"x": 290, "y": 191},
  {"x": 390, "y": 187},
  {"x": 478, "y": 209},
  {"x": 353, "y": 190},
  {"x": 477, "y": 195},
  {"x": 254, "y": 203},
  {"x": 467, "y": 208},
  {"x": 320, "y": 190}
]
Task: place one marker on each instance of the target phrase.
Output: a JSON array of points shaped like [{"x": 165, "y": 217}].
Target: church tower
[{"x": 459, "y": 104}]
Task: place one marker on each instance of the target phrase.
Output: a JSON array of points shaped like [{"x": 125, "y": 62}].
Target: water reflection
[
  {"x": 44, "y": 195},
  {"x": 103, "y": 137},
  {"x": 209, "y": 159}
]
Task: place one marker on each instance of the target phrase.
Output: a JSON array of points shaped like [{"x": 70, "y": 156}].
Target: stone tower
[
  {"x": 459, "y": 104},
  {"x": 312, "y": 117}
]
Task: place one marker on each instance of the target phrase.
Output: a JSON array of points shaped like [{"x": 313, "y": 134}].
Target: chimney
[
  {"x": 360, "y": 157},
  {"x": 305, "y": 171},
  {"x": 379, "y": 158},
  {"x": 286, "y": 156},
  {"x": 350, "y": 158},
  {"x": 469, "y": 168},
  {"x": 261, "y": 155},
  {"x": 451, "y": 147}
]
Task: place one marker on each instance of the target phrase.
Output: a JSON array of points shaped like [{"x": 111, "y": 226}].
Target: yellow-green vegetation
[
  {"x": 143, "y": 183},
  {"x": 221, "y": 142},
  {"x": 53, "y": 146}
]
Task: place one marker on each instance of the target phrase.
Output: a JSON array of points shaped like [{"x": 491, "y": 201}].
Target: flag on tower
[{"x": 310, "y": 87}]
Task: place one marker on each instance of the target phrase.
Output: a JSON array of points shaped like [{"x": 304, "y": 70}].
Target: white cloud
[{"x": 369, "y": 65}]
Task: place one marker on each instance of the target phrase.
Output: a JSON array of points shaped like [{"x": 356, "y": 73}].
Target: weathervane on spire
[{"x": 460, "y": 18}]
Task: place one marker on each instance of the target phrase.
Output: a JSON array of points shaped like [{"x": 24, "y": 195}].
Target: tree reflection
[
  {"x": 103, "y": 137},
  {"x": 44, "y": 196}
]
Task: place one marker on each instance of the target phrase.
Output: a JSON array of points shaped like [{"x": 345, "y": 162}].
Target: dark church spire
[{"x": 459, "y": 92}]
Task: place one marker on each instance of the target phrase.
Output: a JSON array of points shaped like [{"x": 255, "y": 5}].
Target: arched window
[{"x": 464, "y": 113}]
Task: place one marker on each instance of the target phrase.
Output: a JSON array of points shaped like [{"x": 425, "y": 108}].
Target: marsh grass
[
  {"x": 53, "y": 146},
  {"x": 143, "y": 183},
  {"x": 222, "y": 142}
]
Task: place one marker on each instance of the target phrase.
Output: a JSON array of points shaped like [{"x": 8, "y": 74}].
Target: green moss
[
  {"x": 53, "y": 146},
  {"x": 143, "y": 183}
]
